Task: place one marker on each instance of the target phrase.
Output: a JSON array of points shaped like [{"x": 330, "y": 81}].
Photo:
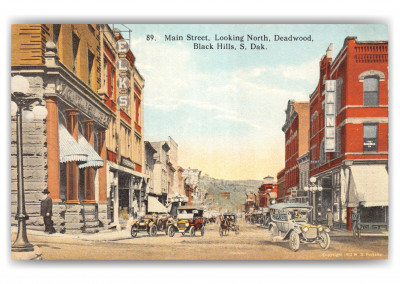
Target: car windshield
[{"x": 299, "y": 215}]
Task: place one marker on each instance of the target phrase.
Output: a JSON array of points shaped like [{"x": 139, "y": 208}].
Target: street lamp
[
  {"x": 313, "y": 188},
  {"x": 21, "y": 103}
]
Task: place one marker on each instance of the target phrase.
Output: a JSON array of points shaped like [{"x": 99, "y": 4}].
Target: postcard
[{"x": 199, "y": 142}]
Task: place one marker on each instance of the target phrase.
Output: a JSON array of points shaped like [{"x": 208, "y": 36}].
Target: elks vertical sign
[{"x": 330, "y": 115}]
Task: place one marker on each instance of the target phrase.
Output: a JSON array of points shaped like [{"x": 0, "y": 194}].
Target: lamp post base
[{"x": 35, "y": 254}]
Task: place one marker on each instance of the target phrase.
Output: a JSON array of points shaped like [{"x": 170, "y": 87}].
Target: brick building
[
  {"x": 126, "y": 182},
  {"x": 351, "y": 164},
  {"x": 296, "y": 142},
  {"x": 280, "y": 186},
  {"x": 267, "y": 192}
]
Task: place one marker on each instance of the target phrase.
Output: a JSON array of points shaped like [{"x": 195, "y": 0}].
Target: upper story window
[
  {"x": 370, "y": 137},
  {"x": 90, "y": 67},
  {"x": 371, "y": 91},
  {"x": 56, "y": 33},
  {"x": 75, "y": 48},
  {"x": 339, "y": 82}
]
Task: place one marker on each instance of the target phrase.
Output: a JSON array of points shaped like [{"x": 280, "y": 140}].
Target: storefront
[{"x": 125, "y": 194}]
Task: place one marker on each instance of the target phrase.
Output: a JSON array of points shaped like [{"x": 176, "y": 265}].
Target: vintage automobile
[
  {"x": 151, "y": 223},
  {"x": 189, "y": 220},
  {"x": 288, "y": 221},
  {"x": 228, "y": 223}
]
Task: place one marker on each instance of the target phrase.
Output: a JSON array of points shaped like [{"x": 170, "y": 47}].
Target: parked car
[
  {"x": 289, "y": 221},
  {"x": 189, "y": 220},
  {"x": 151, "y": 224}
]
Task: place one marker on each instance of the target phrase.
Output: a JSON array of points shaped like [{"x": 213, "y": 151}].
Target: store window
[
  {"x": 370, "y": 137},
  {"x": 371, "y": 91}
]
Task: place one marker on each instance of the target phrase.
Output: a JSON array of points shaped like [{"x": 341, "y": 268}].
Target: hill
[{"x": 228, "y": 194}]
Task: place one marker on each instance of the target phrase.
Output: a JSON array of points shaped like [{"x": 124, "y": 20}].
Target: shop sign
[
  {"x": 84, "y": 105},
  {"x": 330, "y": 115},
  {"x": 123, "y": 66},
  {"x": 127, "y": 163}
]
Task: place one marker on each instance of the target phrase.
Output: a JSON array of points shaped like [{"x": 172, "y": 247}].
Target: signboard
[
  {"x": 330, "y": 115},
  {"x": 127, "y": 163}
]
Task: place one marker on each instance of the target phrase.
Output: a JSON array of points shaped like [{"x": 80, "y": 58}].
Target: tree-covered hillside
[{"x": 236, "y": 188}]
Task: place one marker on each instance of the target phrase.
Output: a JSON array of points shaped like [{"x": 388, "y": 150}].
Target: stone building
[
  {"x": 160, "y": 171},
  {"x": 66, "y": 152}
]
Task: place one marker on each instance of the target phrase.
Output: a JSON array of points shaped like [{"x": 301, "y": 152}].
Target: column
[
  {"x": 89, "y": 171},
  {"x": 103, "y": 170},
  {"x": 72, "y": 167},
  {"x": 53, "y": 151}
]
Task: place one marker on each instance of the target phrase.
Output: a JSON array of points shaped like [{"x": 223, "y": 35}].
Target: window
[
  {"x": 371, "y": 91},
  {"x": 75, "y": 48},
  {"x": 90, "y": 67},
  {"x": 338, "y": 143},
  {"x": 339, "y": 83},
  {"x": 56, "y": 33},
  {"x": 370, "y": 137},
  {"x": 112, "y": 83}
]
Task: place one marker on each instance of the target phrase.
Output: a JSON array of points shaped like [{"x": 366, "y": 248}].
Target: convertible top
[
  {"x": 279, "y": 206},
  {"x": 190, "y": 207}
]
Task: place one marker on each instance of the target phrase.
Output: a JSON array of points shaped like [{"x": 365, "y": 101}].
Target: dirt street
[{"x": 253, "y": 243}]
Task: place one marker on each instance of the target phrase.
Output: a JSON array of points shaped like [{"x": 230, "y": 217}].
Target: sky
[{"x": 226, "y": 108}]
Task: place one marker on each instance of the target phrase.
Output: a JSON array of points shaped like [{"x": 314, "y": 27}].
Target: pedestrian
[
  {"x": 46, "y": 210},
  {"x": 329, "y": 217}
]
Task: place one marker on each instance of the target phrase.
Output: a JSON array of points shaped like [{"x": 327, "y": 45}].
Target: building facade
[
  {"x": 296, "y": 142},
  {"x": 280, "y": 184},
  {"x": 351, "y": 99},
  {"x": 61, "y": 63},
  {"x": 126, "y": 182}
]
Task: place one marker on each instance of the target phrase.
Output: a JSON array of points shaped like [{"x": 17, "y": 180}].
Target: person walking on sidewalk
[
  {"x": 329, "y": 217},
  {"x": 46, "y": 211}
]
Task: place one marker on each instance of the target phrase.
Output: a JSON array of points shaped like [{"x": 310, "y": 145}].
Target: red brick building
[
  {"x": 267, "y": 192},
  {"x": 280, "y": 186},
  {"x": 296, "y": 142},
  {"x": 355, "y": 169}
]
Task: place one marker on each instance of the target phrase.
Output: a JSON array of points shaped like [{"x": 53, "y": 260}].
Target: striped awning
[
  {"x": 70, "y": 150},
  {"x": 93, "y": 159}
]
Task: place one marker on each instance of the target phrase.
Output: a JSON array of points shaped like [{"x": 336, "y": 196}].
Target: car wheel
[
  {"x": 326, "y": 240},
  {"x": 294, "y": 241},
  {"x": 153, "y": 230},
  {"x": 202, "y": 231},
  {"x": 192, "y": 231},
  {"x": 171, "y": 231},
  {"x": 134, "y": 231},
  {"x": 237, "y": 230}
]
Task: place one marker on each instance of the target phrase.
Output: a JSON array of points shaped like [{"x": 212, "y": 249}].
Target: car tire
[
  {"x": 202, "y": 230},
  {"x": 153, "y": 230},
  {"x": 171, "y": 231},
  {"x": 326, "y": 240},
  {"x": 192, "y": 231},
  {"x": 134, "y": 231},
  {"x": 294, "y": 241}
]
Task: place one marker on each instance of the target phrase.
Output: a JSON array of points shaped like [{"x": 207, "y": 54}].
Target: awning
[
  {"x": 70, "y": 150},
  {"x": 93, "y": 159},
  {"x": 154, "y": 206},
  {"x": 369, "y": 184}
]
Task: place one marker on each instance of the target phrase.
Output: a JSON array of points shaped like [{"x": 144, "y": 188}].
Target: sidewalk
[{"x": 106, "y": 235}]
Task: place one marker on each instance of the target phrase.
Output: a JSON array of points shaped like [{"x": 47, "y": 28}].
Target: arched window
[{"x": 371, "y": 91}]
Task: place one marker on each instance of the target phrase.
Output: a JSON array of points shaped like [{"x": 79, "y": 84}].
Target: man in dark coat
[{"x": 46, "y": 207}]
